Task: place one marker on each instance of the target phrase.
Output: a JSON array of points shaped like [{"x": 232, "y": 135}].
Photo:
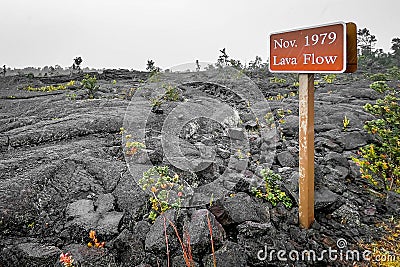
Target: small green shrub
[
  {"x": 387, "y": 249},
  {"x": 346, "y": 123},
  {"x": 133, "y": 147},
  {"x": 242, "y": 155},
  {"x": 155, "y": 102},
  {"x": 165, "y": 191},
  {"x": 90, "y": 83},
  {"x": 330, "y": 78},
  {"x": 171, "y": 93},
  {"x": 394, "y": 73},
  {"x": 380, "y": 161},
  {"x": 297, "y": 84},
  {"x": 154, "y": 77},
  {"x": 379, "y": 77},
  {"x": 277, "y": 80},
  {"x": 269, "y": 119},
  {"x": 273, "y": 193},
  {"x": 72, "y": 96},
  {"x": 50, "y": 88}
]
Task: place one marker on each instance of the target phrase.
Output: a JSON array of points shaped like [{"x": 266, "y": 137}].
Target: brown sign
[{"x": 314, "y": 50}]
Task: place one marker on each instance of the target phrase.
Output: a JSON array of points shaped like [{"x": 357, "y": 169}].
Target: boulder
[
  {"x": 155, "y": 237},
  {"x": 354, "y": 140},
  {"x": 324, "y": 198},
  {"x": 230, "y": 254},
  {"x": 198, "y": 229},
  {"x": 238, "y": 209},
  {"x": 30, "y": 254},
  {"x": 286, "y": 159}
]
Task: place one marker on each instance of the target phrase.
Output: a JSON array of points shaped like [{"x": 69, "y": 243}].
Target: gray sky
[{"x": 126, "y": 33}]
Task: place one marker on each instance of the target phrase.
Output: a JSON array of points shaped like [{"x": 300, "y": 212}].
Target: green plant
[
  {"x": 277, "y": 97},
  {"x": 273, "y": 193},
  {"x": 297, "y": 84},
  {"x": 346, "y": 123},
  {"x": 165, "y": 190},
  {"x": 269, "y": 119},
  {"x": 130, "y": 93},
  {"x": 277, "y": 80},
  {"x": 31, "y": 225},
  {"x": 71, "y": 96},
  {"x": 90, "y": 83},
  {"x": 133, "y": 147},
  {"x": 154, "y": 77},
  {"x": 171, "y": 93},
  {"x": 280, "y": 113},
  {"x": 155, "y": 102},
  {"x": 330, "y": 78},
  {"x": 50, "y": 88},
  {"x": 380, "y": 161},
  {"x": 387, "y": 249},
  {"x": 379, "y": 77},
  {"x": 239, "y": 154},
  {"x": 394, "y": 73}
]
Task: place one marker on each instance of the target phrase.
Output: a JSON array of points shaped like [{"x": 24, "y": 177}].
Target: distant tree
[
  {"x": 369, "y": 59},
  {"x": 396, "y": 48},
  {"x": 51, "y": 70},
  {"x": 223, "y": 58},
  {"x": 256, "y": 64},
  {"x": 382, "y": 59},
  {"x": 151, "y": 66},
  {"x": 209, "y": 67},
  {"x": 396, "y": 45},
  {"x": 4, "y": 70},
  {"x": 77, "y": 64},
  {"x": 236, "y": 64},
  {"x": 366, "y": 42},
  {"x": 198, "y": 67}
]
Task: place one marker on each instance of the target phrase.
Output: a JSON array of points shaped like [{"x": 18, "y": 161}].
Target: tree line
[{"x": 372, "y": 59}]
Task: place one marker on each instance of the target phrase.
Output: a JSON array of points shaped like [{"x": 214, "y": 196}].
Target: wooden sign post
[
  {"x": 306, "y": 149},
  {"x": 330, "y": 48}
]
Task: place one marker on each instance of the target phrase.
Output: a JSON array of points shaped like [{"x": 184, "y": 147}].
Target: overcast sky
[{"x": 126, "y": 33}]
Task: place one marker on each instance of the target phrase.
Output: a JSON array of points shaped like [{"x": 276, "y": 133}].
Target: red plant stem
[
  {"x": 188, "y": 260},
  {"x": 189, "y": 247},
  {"x": 212, "y": 240},
  {"x": 166, "y": 240}
]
